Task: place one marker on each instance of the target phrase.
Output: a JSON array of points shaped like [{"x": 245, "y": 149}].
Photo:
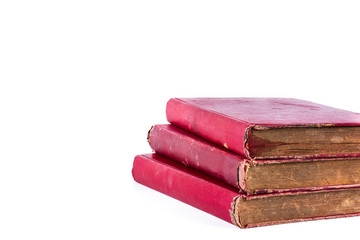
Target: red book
[
  {"x": 265, "y": 128},
  {"x": 218, "y": 199},
  {"x": 253, "y": 176}
]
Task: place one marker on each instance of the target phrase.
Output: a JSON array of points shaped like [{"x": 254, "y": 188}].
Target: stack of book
[{"x": 256, "y": 161}]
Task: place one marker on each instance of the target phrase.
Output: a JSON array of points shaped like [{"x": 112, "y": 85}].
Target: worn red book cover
[
  {"x": 214, "y": 197},
  {"x": 244, "y": 126},
  {"x": 253, "y": 176}
]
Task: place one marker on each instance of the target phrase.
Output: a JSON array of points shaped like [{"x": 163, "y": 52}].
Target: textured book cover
[
  {"x": 253, "y": 176},
  {"x": 265, "y": 128},
  {"x": 216, "y": 198}
]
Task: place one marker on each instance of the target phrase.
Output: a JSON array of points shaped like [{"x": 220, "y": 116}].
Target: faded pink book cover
[{"x": 229, "y": 122}]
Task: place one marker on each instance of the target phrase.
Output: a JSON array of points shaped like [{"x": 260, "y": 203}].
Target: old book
[
  {"x": 220, "y": 200},
  {"x": 253, "y": 176},
  {"x": 265, "y": 128}
]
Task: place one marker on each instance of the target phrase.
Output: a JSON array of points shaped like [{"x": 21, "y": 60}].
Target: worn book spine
[
  {"x": 218, "y": 199},
  {"x": 185, "y": 184},
  {"x": 197, "y": 153}
]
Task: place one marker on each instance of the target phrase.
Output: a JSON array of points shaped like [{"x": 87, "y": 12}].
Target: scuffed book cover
[
  {"x": 216, "y": 198},
  {"x": 230, "y": 121},
  {"x": 253, "y": 176}
]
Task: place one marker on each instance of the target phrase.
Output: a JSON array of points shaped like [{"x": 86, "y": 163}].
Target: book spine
[
  {"x": 213, "y": 126},
  {"x": 196, "y": 153},
  {"x": 185, "y": 184}
]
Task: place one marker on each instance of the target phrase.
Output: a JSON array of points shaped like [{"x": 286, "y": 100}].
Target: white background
[{"x": 81, "y": 82}]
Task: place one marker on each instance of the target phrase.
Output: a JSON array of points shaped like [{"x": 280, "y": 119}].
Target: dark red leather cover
[
  {"x": 184, "y": 184},
  {"x": 211, "y": 159},
  {"x": 227, "y": 121}
]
